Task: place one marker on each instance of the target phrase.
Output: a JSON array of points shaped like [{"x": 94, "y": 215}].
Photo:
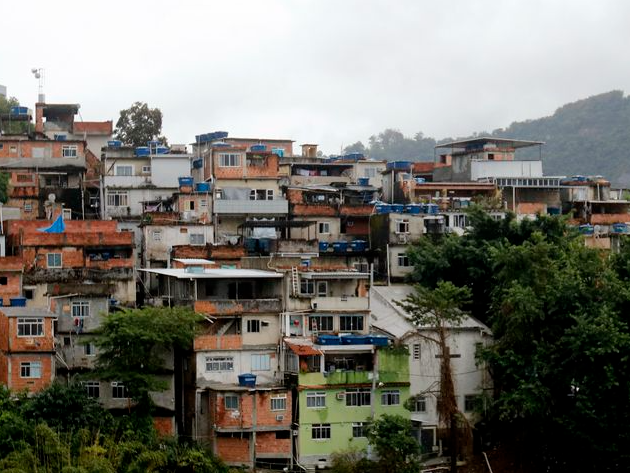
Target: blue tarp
[{"x": 58, "y": 226}]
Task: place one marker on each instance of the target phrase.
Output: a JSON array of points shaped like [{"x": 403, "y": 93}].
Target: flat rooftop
[{"x": 483, "y": 140}]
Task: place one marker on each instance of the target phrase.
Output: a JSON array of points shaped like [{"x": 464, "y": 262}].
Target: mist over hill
[{"x": 588, "y": 137}]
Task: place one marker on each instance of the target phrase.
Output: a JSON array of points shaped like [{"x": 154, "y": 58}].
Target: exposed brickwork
[
  {"x": 233, "y": 450},
  {"x": 531, "y": 208},
  {"x": 164, "y": 425},
  {"x": 24, "y": 148},
  {"x": 314, "y": 210},
  {"x": 17, "y": 383},
  {"x": 243, "y": 417},
  {"x": 609, "y": 218},
  {"x": 29, "y": 344},
  {"x": 356, "y": 210},
  {"x": 218, "y": 308},
  {"x": 216, "y": 342},
  {"x": 266, "y": 442}
]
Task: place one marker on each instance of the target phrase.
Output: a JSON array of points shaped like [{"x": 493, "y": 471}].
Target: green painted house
[{"x": 339, "y": 389}]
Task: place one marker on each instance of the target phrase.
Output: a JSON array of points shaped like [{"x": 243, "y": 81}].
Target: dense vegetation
[
  {"x": 558, "y": 311},
  {"x": 586, "y": 137},
  {"x": 62, "y": 430}
]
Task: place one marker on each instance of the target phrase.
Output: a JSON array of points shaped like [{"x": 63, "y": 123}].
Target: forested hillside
[{"x": 590, "y": 136}]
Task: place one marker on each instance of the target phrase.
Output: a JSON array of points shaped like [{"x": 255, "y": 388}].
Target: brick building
[{"x": 27, "y": 348}]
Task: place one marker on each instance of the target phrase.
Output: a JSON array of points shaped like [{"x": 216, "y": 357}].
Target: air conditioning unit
[
  {"x": 280, "y": 417},
  {"x": 340, "y": 396}
]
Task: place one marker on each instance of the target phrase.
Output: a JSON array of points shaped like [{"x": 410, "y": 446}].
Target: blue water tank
[
  {"x": 114, "y": 144},
  {"x": 247, "y": 379},
  {"x": 432, "y": 209},
  {"x": 586, "y": 229},
  {"x": 397, "y": 208},
  {"x": 358, "y": 245},
  {"x": 620, "y": 228},
  {"x": 142, "y": 151},
  {"x": 185, "y": 181},
  {"x": 258, "y": 148},
  {"x": 278, "y": 151},
  {"x": 328, "y": 340},
  {"x": 413, "y": 209},
  {"x": 363, "y": 181},
  {"x": 162, "y": 150},
  {"x": 18, "y": 301},
  {"x": 340, "y": 246},
  {"x": 323, "y": 246},
  {"x": 383, "y": 208},
  {"x": 202, "y": 187},
  {"x": 379, "y": 340}
]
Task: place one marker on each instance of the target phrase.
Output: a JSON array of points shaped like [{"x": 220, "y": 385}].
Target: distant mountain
[{"x": 588, "y": 137}]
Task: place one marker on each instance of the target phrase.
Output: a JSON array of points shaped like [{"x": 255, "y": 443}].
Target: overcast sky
[{"x": 325, "y": 71}]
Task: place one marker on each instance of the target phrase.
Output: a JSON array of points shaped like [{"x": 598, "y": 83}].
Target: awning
[{"x": 303, "y": 350}]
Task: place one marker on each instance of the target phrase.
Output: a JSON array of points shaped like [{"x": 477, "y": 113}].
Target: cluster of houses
[{"x": 295, "y": 259}]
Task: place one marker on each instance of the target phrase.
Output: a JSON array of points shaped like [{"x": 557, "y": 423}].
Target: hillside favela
[{"x": 241, "y": 303}]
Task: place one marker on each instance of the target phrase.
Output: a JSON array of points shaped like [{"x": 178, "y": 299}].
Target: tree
[
  {"x": 438, "y": 311},
  {"x": 357, "y": 147},
  {"x": 394, "y": 443},
  {"x": 135, "y": 343},
  {"x": 139, "y": 124}
]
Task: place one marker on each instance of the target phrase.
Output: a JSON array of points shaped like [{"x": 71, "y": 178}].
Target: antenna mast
[{"x": 38, "y": 72}]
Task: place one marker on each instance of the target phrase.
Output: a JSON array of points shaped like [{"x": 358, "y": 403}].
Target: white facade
[
  {"x": 489, "y": 169},
  {"x": 224, "y": 366},
  {"x": 159, "y": 239}
]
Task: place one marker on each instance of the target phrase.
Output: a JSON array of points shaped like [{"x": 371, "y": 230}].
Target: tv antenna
[{"x": 38, "y": 73}]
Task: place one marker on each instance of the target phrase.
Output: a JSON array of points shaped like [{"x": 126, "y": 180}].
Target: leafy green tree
[
  {"x": 394, "y": 443},
  {"x": 357, "y": 147},
  {"x": 67, "y": 408},
  {"x": 139, "y": 124},
  {"x": 4, "y": 187},
  {"x": 135, "y": 343}
]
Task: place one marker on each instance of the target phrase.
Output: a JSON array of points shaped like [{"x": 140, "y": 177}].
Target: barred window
[
  {"x": 219, "y": 363},
  {"x": 30, "y": 327},
  {"x": 390, "y": 397},
  {"x": 316, "y": 399},
  {"x": 358, "y": 397},
  {"x": 320, "y": 431},
  {"x": 279, "y": 403}
]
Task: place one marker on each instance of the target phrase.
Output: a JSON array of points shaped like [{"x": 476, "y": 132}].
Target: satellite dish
[{"x": 52, "y": 197}]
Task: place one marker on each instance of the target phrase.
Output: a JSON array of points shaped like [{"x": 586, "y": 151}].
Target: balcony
[
  {"x": 251, "y": 207},
  {"x": 336, "y": 378},
  {"x": 237, "y": 307},
  {"x": 343, "y": 303},
  {"x": 127, "y": 181}
]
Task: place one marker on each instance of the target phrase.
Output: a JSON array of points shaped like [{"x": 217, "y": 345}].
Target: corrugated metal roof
[
  {"x": 26, "y": 312},
  {"x": 302, "y": 349}
]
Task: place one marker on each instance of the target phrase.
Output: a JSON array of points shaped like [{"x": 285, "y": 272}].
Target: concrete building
[{"x": 471, "y": 379}]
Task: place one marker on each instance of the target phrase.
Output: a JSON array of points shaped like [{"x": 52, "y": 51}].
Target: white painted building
[{"x": 470, "y": 379}]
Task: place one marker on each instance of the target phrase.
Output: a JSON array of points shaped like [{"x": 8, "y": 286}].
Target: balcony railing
[{"x": 258, "y": 207}]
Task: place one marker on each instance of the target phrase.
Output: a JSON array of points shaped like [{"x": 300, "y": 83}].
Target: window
[
  {"x": 253, "y": 326},
  {"x": 390, "y": 397},
  {"x": 321, "y": 323},
  {"x": 261, "y": 194},
  {"x": 358, "y": 397},
  {"x": 31, "y": 369},
  {"x": 3, "y": 280},
  {"x": 80, "y": 309},
  {"x": 322, "y": 288},
  {"x": 369, "y": 172},
  {"x": 92, "y": 388},
  {"x": 307, "y": 286},
  {"x": 53, "y": 260},
  {"x": 13, "y": 149},
  {"x": 283, "y": 434},
  {"x": 69, "y": 151},
  {"x": 124, "y": 170},
  {"x": 28, "y": 206},
  {"x": 323, "y": 227},
  {"x": 359, "y": 429},
  {"x": 229, "y": 160},
  {"x": 230, "y": 401},
  {"x": 89, "y": 349},
  {"x": 261, "y": 362},
  {"x": 420, "y": 404},
  {"x": 119, "y": 391},
  {"x": 203, "y": 203},
  {"x": 316, "y": 400},
  {"x": 117, "y": 198},
  {"x": 157, "y": 235},
  {"x": 30, "y": 327},
  {"x": 219, "y": 363},
  {"x": 402, "y": 226},
  {"x": 279, "y": 403},
  {"x": 197, "y": 239},
  {"x": 416, "y": 351},
  {"x": 189, "y": 205},
  {"x": 320, "y": 431},
  {"x": 146, "y": 169},
  {"x": 471, "y": 402},
  {"x": 351, "y": 323},
  {"x": 403, "y": 260}
]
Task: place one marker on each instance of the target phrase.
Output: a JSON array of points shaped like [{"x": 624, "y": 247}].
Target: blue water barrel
[
  {"x": 142, "y": 151},
  {"x": 340, "y": 246},
  {"x": 185, "y": 181},
  {"x": 328, "y": 340},
  {"x": 586, "y": 229},
  {"x": 114, "y": 143},
  {"x": 620, "y": 228},
  {"x": 162, "y": 150},
  {"x": 379, "y": 340},
  {"x": 202, "y": 187},
  {"x": 258, "y": 147},
  {"x": 247, "y": 379},
  {"x": 414, "y": 209},
  {"x": 398, "y": 208},
  {"x": 18, "y": 301},
  {"x": 363, "y": 181},
  {"x": 323, "y": 246},
  {"x": 383, "y": 208},
  {"x": 358, "y": 245},
  {"x": 432, "y": 209}
]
